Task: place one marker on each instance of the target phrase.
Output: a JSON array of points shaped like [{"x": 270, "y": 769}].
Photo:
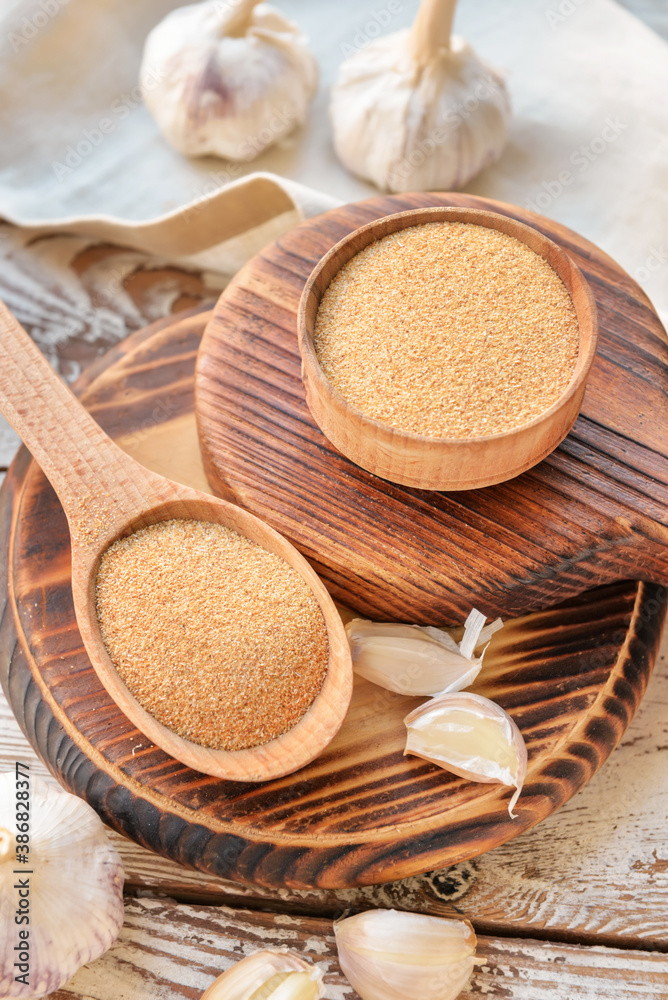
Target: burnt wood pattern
[
  {"x": 593, "y": 512},
  {"x": 361, "y": 813}
]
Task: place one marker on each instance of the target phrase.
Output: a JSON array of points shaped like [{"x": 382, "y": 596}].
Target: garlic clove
[
  {"x": 471, "y": 736},
  {"x": 418, "y": 110},
  {"x": 392, "y": 955},
  {"x": 227, "y": 77},
  {"x": 74, "y": 887},
  {"x": 418, "y": 660},
  {"x": 295, "y": 986},
  {"x": 272, "y": 974}
]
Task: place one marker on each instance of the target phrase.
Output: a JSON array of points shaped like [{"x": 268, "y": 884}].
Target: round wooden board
[
  {"x": 572, "y": 677},
  {"x": 594, "y": 511}
]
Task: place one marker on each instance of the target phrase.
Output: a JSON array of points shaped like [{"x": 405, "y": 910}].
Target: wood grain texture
[
  {"x": 166, "y": 952},
  {"x": 107, "y": 494},
  {"x": 431, "y": 463},
  {"x": 595, "y": 872},
  {"x": 572, "y": 677},
  {"x": 78, "y": 298},
  {"x": 594, "y": 511}
]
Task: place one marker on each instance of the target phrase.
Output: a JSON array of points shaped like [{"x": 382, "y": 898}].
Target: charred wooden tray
[
  {"x": 571, "y": 676},
  {"x": 596, "y": 510}
]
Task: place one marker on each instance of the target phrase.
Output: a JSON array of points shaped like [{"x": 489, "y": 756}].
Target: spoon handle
[{"x": 99, "y": 486}]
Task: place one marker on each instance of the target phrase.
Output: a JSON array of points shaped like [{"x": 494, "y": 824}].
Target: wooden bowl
[{"x": 434, "y": 463}]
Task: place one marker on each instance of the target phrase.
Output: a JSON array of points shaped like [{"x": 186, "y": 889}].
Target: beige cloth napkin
[{"x": 588, "y": 144}]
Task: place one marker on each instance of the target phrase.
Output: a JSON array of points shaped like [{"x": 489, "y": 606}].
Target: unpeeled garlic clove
[
  {"x": 418, "y": 660},
  {"x": 272, "y": 974},
  {"x": 470, "y": 736},
  {"x": 392, "y": 955},
  {"x": 418, "y": 110}
]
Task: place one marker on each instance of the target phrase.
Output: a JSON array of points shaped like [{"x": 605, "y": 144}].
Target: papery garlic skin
[
  {"x": 418, "y": 660},
  {"x": 227, "y": 77},
  {"x": 391, "y": 955},
  {"x": 470, "y": 736},
  {"x": 418, "y": 124},
  {"x": 75, "y": 884},
  {"x": 275, "y": 974}
]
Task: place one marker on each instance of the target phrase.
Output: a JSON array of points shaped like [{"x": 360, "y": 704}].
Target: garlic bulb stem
[
  {"x": 240, "y": 20},
  {"x": 431, "y": 30},
  {"x": 6, "y": 841}
]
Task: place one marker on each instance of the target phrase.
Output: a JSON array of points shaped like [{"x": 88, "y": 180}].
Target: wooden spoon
[{"x": 107, "y": 494}]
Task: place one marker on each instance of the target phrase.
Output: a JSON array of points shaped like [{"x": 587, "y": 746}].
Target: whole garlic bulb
[
  {"x": 418, "y": 110},
  {"x": 67, "y": 899},
  {"x": 228, "y": 77}
]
